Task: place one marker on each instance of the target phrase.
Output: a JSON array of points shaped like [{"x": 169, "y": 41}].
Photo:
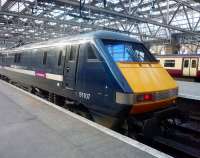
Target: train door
[
  {"x": 186, "y": 68},
  {"x": 71, "y": 66},
  {"x": 190, "y": 66},
  {"x": 193, "y": 66}
]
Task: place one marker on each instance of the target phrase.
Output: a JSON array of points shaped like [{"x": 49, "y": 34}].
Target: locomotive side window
[
  {"x": 26, "y": 59},
  {"x": 0, "y": 58},
  {"x": 90, "y": 53},
  {"x": 17, "y": 58},
  {"x": 60, "y": 58},
  {"x": 37, "y": 57},
  {"x": 52, "y": 58},
  {"x": 3, "y": 59},
  {"x": 44, "y": 58},
  {"x": 169, "y": 63},
  {"x": 72, "y": 55},
  {"x": 186, "y": 63}
]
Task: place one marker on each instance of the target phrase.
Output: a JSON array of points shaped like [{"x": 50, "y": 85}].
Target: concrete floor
[{"x": 30, "y": 128}]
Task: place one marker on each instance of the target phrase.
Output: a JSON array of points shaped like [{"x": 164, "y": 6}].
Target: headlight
[{"x": 124, "y": 98}]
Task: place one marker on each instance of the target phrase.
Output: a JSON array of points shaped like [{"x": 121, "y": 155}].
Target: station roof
[{"x": 26, "y": 21}]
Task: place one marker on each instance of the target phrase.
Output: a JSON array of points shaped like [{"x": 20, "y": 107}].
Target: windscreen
[{"x": 122, "y": 51}]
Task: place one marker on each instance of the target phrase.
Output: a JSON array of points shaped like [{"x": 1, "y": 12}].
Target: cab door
[
  {"x": 190, "y": 66},
  {"x": 70, "y": 67}
]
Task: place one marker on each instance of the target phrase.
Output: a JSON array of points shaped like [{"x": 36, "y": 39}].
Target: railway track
[
  {"x": 183, "y": 138},
  {"x": 178, "y": 139}
]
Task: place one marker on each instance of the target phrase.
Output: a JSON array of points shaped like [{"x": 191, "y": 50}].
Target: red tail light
[
  {"x": 145, "y": 97},
  {"x": 148, "y": 97}
]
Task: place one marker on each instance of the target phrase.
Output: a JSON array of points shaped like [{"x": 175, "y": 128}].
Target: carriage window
[
  {"x": 122, "y": 51},
  {"x": 169, "y": 63},
  {"x": 186, "y": 63},
  {"x": 73, "y": 52},
  {"x": 26, "y": 58},
  {"x": 60, "y": 58},
  {"x": 44, "y": 58},
  {"x": 90, "y": 53},
  {"x": 3, "y": 59},
  {"x": 17, "y": 58},
  {"x": 194, "y": 63}
]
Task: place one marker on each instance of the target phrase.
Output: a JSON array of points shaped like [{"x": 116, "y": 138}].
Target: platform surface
[
  {"x": 189, "y": 90},
  {"x": 33, "y": 128}
]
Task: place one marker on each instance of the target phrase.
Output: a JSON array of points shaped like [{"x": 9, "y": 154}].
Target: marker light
[
  {"x": 148, "y": 97},
  {"x": 145, "y": 97}
]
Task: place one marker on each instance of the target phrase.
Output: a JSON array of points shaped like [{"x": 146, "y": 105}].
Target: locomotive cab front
[{"x": 151, "y": 85}]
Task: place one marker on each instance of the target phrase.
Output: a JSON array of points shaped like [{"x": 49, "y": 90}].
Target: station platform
[
  {"x": 34, "y": 128},
  {"x": 189, "y": 90}
]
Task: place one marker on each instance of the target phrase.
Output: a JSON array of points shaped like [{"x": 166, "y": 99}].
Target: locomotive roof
[
  {"x": 178, "y": 55},
  {"x": 85, "y": 36}
]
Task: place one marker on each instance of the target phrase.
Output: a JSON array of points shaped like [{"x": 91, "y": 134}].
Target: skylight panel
[
  {"x": 23, "y": 19},
  {"x": 20, "y": 29},
  {"x": 69, "y": 8},
  {"x": 118, "y": 9},
  {"x": 87, "y": 1},
  {"x": 52, "y": 23},
  {"x": 113, "y": 1},
  {"x": 57, "y": 12},
  {"x": 17, "y": 7},
  {"x": 38, "y": 21},
  {"x": 3, "y": 2},
  {"x": 7, "y": 35},
  {"x": 39, "y": 12},
  {"x": 31, "y": 31},
  {"x": 67, "y": 17},
  {"x": 7, "y": 17}
]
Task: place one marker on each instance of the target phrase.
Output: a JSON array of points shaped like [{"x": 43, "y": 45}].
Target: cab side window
[
  {"x": 91, "y": 54},
  {"x": 26, "y": 59},
  {"x": 73, "y": 53},
  {"x": 60, "y": 58}
]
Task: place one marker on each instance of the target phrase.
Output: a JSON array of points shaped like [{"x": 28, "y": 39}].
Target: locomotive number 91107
[{"x": 85, "y": 96}]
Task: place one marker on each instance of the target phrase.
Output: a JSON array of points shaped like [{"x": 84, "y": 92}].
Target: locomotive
[{"x": 109, "y": 75}]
